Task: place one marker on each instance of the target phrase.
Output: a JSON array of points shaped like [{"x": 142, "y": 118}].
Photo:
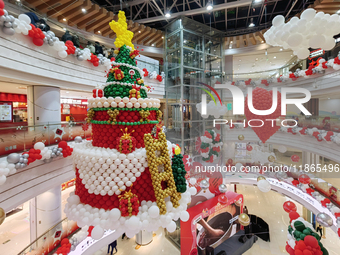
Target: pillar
[
  {"x": 310, "y": 158},
  {"x": 43, "y": 105},
  {"x": 45, "y": 212},
  {"x": 228, "y": 67}
]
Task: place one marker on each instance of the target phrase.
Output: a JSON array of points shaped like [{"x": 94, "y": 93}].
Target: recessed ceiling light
[
  {"x": 83, "y": 10},
  {"x": 262, "y": 41},
  {"x": 162, "y": 37},
  {"x": 152, "y": 45},
  {"x": 281, "y": 49},
  {"x": 64, "y": 28},
  {"x": 98, "y": 32},
  {"x": 167, "y": 14},
  {"x": 274, "y": 56},
  {"x": 64, "y": 19},
  {"x": 139, "y": 31}
]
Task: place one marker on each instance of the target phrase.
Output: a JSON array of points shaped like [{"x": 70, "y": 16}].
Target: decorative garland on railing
[
  {"x": 315, "y": 67},
  {"x": 15, "y": 161}
]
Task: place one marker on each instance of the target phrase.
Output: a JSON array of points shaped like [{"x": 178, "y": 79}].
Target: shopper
[
  {"x": 67, "y": 36},
  {"x": 113, "y": 246},
  {"x": 123, "y": 236},
  {"x": 98, "y": 48},
  {"x": 319, "y": 229}
]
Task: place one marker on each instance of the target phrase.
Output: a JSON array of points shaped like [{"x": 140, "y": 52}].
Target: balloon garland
[
  {"x": 15, "y": 161},
  {"x": 209, "y": 145}
]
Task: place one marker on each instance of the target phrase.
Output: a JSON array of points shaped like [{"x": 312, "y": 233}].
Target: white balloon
[
  {"x": 238, "y": 166},
  {"x": 171, "y": 227},
  {"x": 185, "y": 216},
  {"x": 308, "y": 14},
  {"x": 39, "y": 146},
  {"x": 24, "y": 18},
  {"x": 282, "y": 149},
  {"x": 278, "y": 20},
  {"x": 302, "y": 53},
  {"x": 62, "y": 54},
  {"x": 192, "y": 190},
  {"x": 2, "y": 179},
  {"x": 97, "y": 232},
  {"x": 329, "y": 43},
  {"x": 317, "y": 41},
  {"x": 264, "y": 185},
  {"x": 295, "y": 40},
  {"x": 153, "y": 212}
]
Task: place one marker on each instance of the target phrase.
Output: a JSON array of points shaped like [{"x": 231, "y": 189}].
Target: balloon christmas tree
[
  {"x": 129, "y": 177},
  {"x": 302, "y": 238}
]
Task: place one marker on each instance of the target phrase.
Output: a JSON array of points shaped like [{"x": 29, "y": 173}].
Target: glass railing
[
  {"x": 23, "y": 137},
  {"x": 48, "y": 241}
]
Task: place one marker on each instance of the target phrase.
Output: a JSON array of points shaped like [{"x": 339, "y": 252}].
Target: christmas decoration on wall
[
  {"x": 15, "y": 161},
  {"x": 209, "y": 145},
  {"x": 129, "y": 177},
  {"x": 311, "y": 30}
]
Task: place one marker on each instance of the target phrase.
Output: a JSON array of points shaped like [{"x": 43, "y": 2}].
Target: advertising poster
[
  {"x": 210, "y": 224},
  {"x": 6, "y": 112}
]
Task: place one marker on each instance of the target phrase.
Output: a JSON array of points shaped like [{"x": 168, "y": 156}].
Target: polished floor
[
  {"x": 15, "y": 231},
  {"x": 265, "y": 205}
]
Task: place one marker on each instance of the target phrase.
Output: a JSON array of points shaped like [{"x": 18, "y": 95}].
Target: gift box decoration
[
  {"x": 128, "y": 204},
  {"x": 126, "y": 143},
  {"x": 97, "y": 93}
]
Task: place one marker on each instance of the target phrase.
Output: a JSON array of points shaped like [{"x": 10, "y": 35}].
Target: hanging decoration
[
  {"x": 209, "y": 145},
  {"x": 311, "y": 30}
]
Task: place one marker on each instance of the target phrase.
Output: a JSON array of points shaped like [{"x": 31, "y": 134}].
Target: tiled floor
[{"x": 15, "y": 231}]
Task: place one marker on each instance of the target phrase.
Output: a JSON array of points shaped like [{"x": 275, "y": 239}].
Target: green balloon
[
  {"x": 307, "y": 231},
  {"x": 299, "y": 226},
  {"x": 324, "y": 251}
]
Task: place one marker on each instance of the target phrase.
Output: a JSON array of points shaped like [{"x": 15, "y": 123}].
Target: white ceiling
[{"x": 254, "y": 64}]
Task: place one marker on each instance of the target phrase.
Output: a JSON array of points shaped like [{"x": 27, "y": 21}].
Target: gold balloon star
[{"x": 124, "y": 36}]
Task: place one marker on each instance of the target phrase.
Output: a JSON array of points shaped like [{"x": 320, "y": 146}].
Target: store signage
[{"x": 316, "y": 53}]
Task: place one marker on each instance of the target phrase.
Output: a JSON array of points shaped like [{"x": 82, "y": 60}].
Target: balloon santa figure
[{"x": 129, "y": 177}]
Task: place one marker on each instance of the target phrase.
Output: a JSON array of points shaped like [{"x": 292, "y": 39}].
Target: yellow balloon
[
  {"x": 177, "y": 150},
  {"x": 261, "y": 178},
  {"x": 244, "y": 219},
  {"x": 123, "y": 36},
  {"x": 2, "y": 215}
]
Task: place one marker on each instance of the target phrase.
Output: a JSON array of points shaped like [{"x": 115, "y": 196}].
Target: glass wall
[{"x": 193, "y": 57}]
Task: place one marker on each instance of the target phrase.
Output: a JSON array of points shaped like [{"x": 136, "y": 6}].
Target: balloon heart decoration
[{"x": 262, "y": 100}]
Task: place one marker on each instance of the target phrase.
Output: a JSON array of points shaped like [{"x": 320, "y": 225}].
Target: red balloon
[
  {"x": 298, "y": 252},
  {"x": 304, "y": 179},
  {"x": 293, "y": 215},
  {"x": 300, "y": 245},
  {"x": 289, "y": 206},
  {"x": 230, "y": 161},
  {"x": 2, "y": 4},
  {"x": 311, "y": 241},
  {"x": 295, "y": 158},
  {"x": 249, "y": 148},
  {"x": 2, "y": 12},
  {"x": 307, "y": 252}
]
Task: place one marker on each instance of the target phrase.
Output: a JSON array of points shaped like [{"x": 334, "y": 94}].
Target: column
[
  {"x": 310, "y": 158},
  {"x": 45, "y": 212},
  {"x": 228, "y": 67},
  {"x": 43, "y": 105}
]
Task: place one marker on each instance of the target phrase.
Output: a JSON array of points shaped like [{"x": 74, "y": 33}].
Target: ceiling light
[
  {"x": 262, "y": 42},
  {"x": 252, "y": 25},
  {"x": 139, "y": 31},
  {"x": 338, "y": 12},
  {"x": 231, "y": 42},
  {"x": 64, "y": 28},
  {"x": 162, "y": 37},
  {"x": 83, "y": 10},
  {"x": 98, "y": 32},
  {"x": 257, "y": 1},
  {"x": 281, "y": 49},
  {"x": 274, "y": 56},
  {"x": 230, "y": 47},
  {"x": 167, "y": 14},
  {"x": 67, "y": 92},
  {"x": 152, "y": 45},
  {"x": 64, "y": 19},
  {"x": 210, "y": 6}
]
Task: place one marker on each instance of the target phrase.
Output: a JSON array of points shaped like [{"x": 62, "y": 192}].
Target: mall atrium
[{"x": 192, "y": 127}]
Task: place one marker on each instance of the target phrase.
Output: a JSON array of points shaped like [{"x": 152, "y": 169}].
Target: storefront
[{"x": 13, "y": 108}]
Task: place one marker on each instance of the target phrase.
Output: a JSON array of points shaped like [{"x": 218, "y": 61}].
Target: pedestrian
[
  {"x": 112, "y": 245},
  {"x": 123, "y": 236},
  {"x": 319, "y": 229}
]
